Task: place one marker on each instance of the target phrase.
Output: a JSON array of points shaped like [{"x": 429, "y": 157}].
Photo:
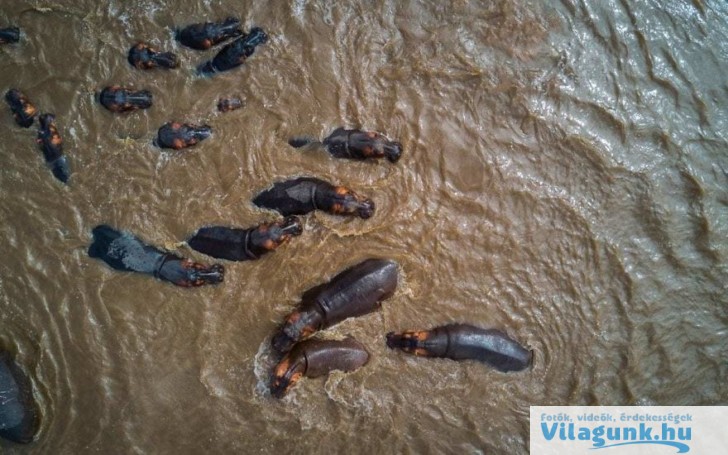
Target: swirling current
[{"x": 564, "y": 179}]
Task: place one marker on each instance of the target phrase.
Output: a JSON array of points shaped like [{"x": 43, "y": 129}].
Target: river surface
[{"x": 564, "y": 179}]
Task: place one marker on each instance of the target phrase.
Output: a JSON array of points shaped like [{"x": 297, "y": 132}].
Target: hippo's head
[
  {"x": 393, "y": 151},
  {"x": 256, "y": 37},
  {"x": 47, "y": 120},
  {"x": 411, "y": 342},
  {"x": 291, "y": 227},
  {"x": 287, "y": 373},
  {"x": 349, "y": 202},
  {"x": 187, "y": 273},
  {"x": 298, "y": 326}
]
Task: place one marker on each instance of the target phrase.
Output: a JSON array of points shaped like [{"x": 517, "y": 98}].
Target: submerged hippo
[
  {"x": 144, "y": 57},
  {"x": 463, "y": 341},
  {"x": 23, "y": 110},
  {"x": 354, "y": 145},
  {"x": 314, "y": 358},
  {"x": 19, "y": 416},
  {"x": 244, "y": 244},
  {"x": 205, "y": 35},
  {"x": 356, "y": 291},
  {"x": 51, "y": 143},
  {"x": 229, "y": 104},
  {"x": 175, "y": 135},
  {"x": 235, "y": 53},
  {"x": 306, "y": 194},
  {"x": 120, "y": 99},
  {"x": 124, "y": 251},
  {"x": 9, "y": 35}
]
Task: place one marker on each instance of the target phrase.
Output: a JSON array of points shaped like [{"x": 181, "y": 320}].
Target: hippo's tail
[{"x": 302, "y": 141}]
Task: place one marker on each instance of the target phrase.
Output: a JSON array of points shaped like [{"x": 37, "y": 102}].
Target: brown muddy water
[{"x": 564, "y": 179}]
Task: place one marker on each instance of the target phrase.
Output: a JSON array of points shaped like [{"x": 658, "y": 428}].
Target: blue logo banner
[{"x": 639, "y": 430}]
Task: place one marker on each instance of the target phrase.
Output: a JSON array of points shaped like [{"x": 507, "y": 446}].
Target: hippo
[
  {"x": 23, "y": 110},
  {"x": 244, "y": 244},
  {"x": 9, "y": 35},
  {"x": 229, "y": 104},
  {"x": 356, "y": 291},
  {"x": 354, "y": 145},
  {"x": 19, "y": 415},
  {"x": 124, "y": 251},
  {"x": 464, "y": 341},
  {"x": 51, "y": 144},
  {"x": 306, "y": 194},
  {"x": 119, "y": 99},
  {"x": 315, "y": 358},
  {"x": 234, "y": 54},
  {"x": 142, "y": 56},
  {"x": 175, "y": 135},
  {"x": 205, "y": 35}
]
